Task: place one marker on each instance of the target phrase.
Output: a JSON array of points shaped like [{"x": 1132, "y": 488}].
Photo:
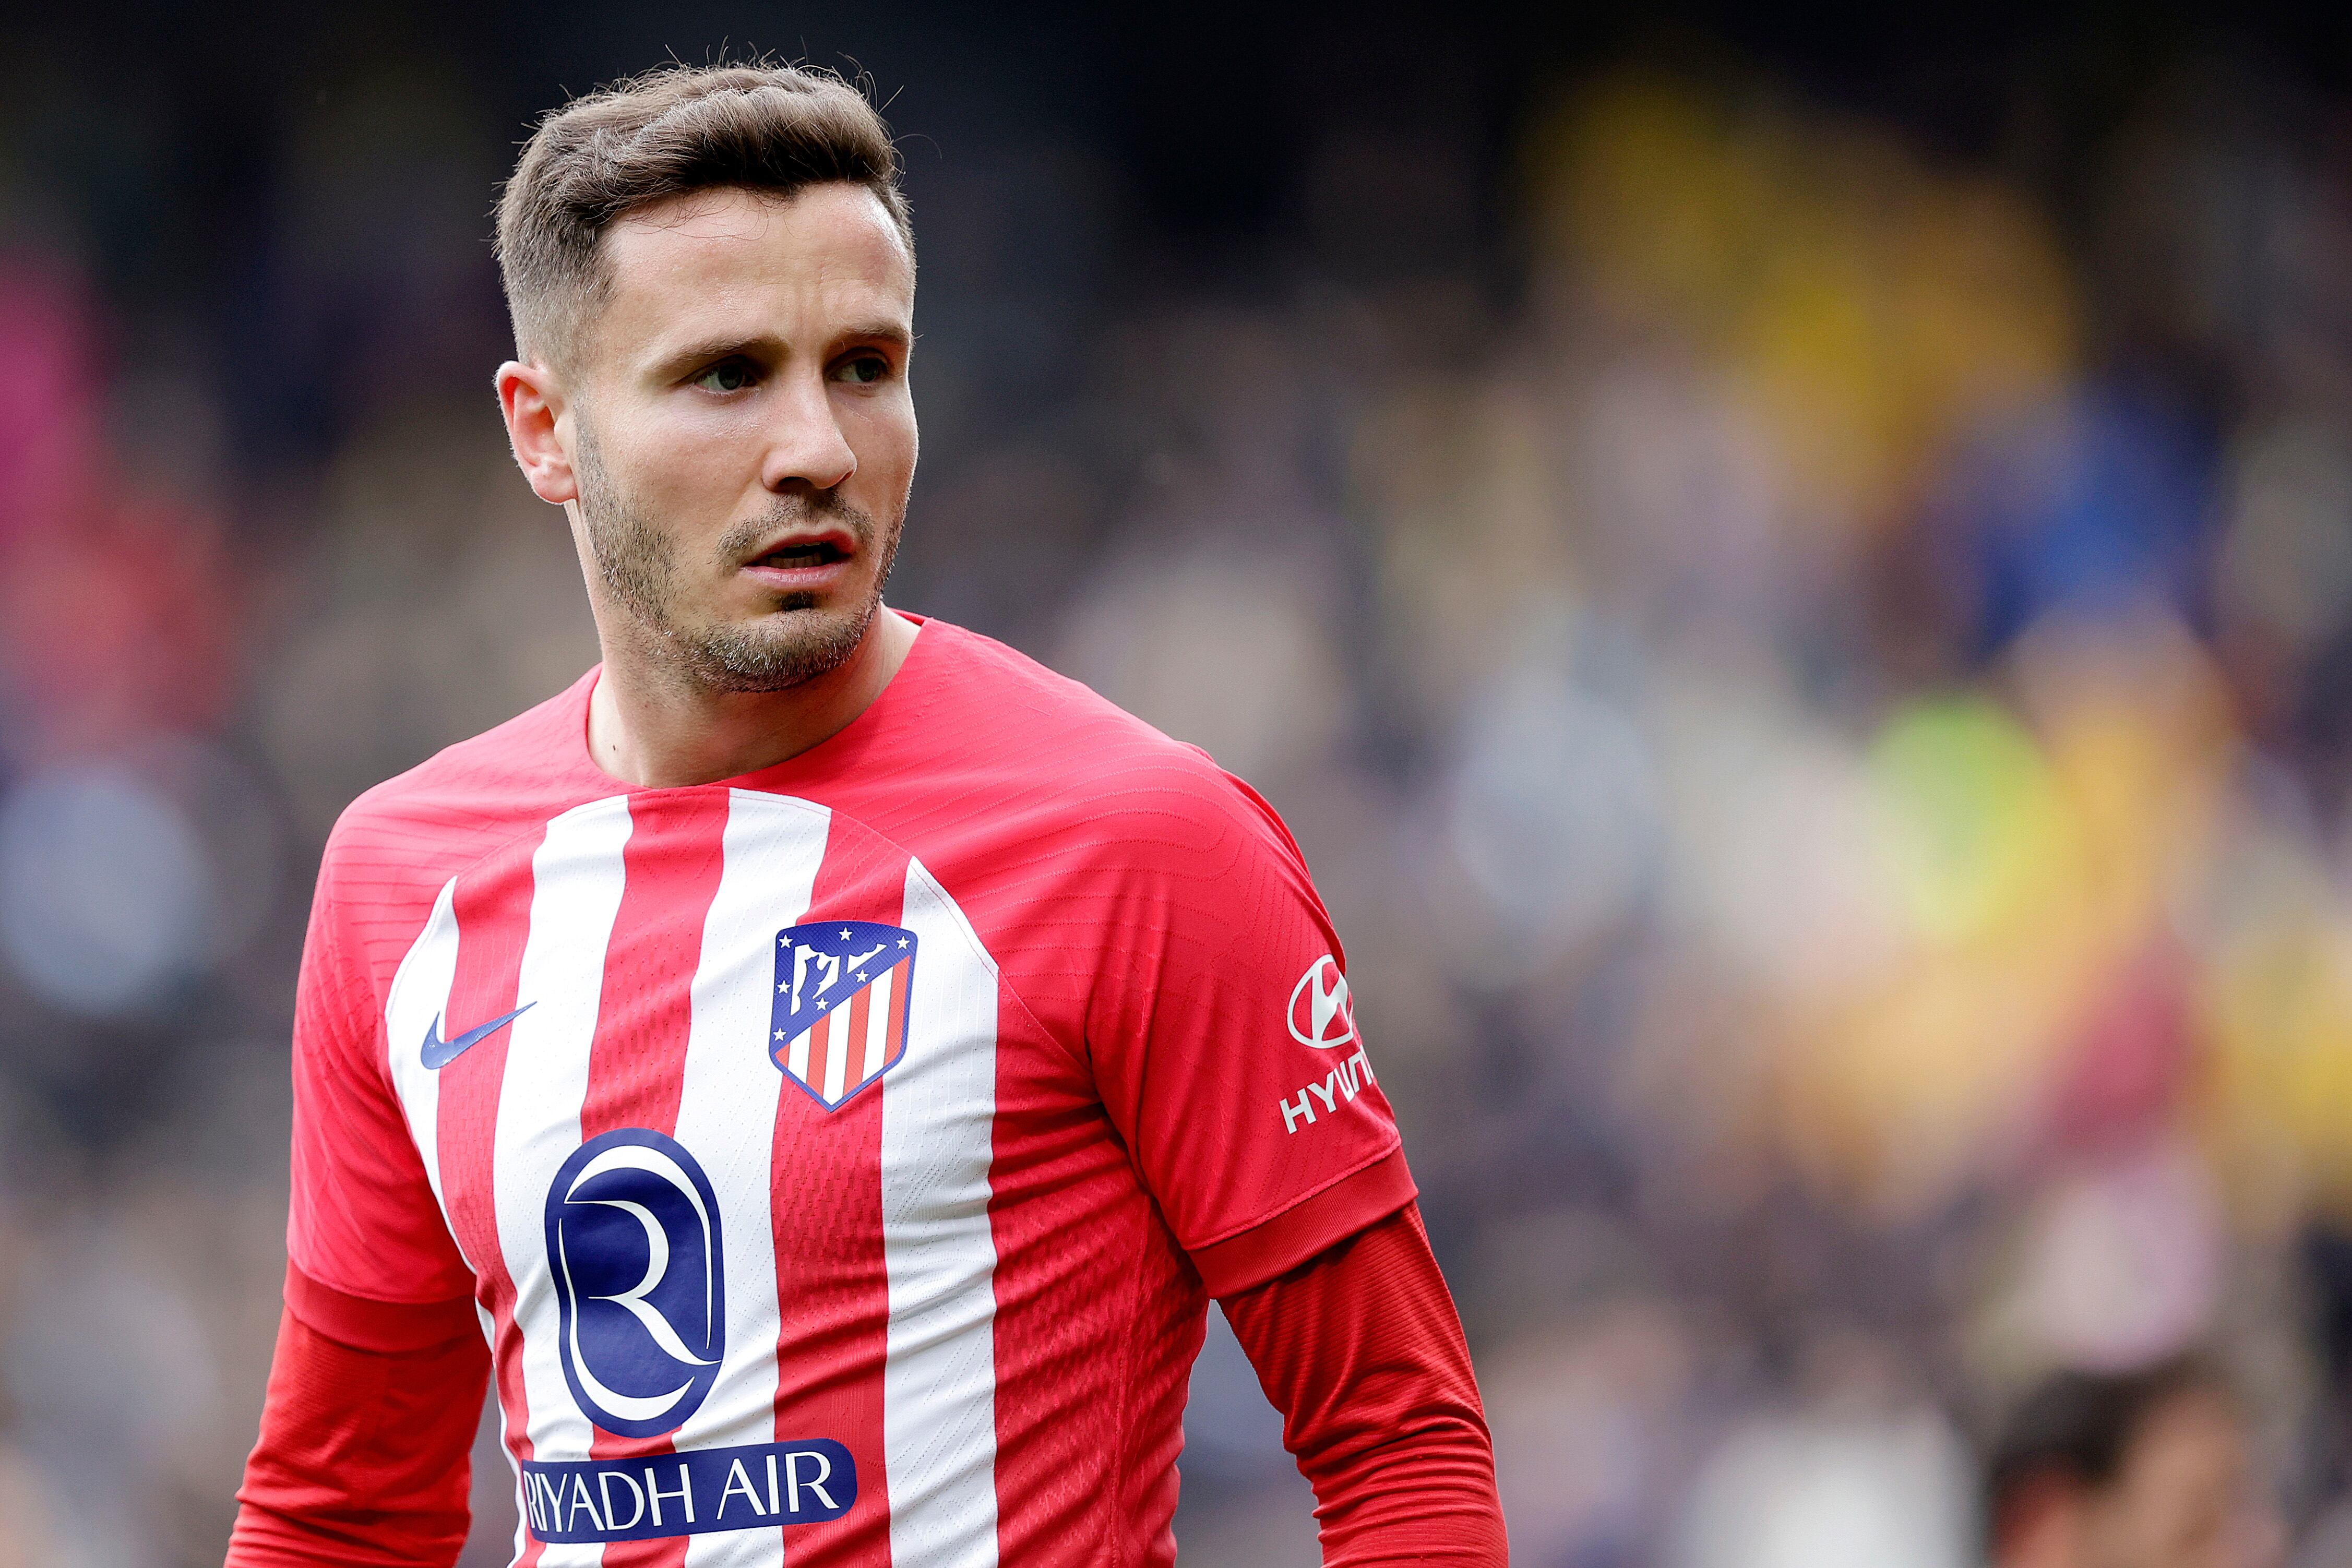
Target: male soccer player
[{"x": 818, "y": 1067}]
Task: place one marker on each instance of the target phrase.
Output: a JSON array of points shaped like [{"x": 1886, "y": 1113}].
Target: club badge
[{"x": 839, "y": 1012}]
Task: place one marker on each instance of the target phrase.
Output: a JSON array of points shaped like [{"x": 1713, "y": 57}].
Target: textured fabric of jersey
[
  {"x": 363, "y": 1456},
  {"x": 1361, "y": 1351},
  {"x": 837, "y": 1158}
]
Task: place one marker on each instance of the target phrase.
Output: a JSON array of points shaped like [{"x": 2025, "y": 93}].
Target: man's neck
[{"x": 657, "y": 733}]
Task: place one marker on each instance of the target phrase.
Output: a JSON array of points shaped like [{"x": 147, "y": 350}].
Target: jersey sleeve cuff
[
  {"x": 386, "y": 1327},
  {"x": 1281, "y": 1243}
]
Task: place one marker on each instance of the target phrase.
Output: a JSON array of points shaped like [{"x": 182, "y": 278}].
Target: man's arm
[
  {"x": 378, "y": 1377},
  {"x": 1362, "y": 1351},
  {"x": 365, "y": 1448},
  {"x": 1213, "y": 1012}
]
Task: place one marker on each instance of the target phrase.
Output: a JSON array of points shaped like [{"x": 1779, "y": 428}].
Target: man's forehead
[{"x": 835, "y": 234}]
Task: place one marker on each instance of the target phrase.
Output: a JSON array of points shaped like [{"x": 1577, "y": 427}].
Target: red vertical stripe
[
  {"x": 636, "y": 1064},
  {"x": 894, "y": 1035},
  {"x": 493, "y": 910},
  {"x": 833, "y": 1284}
]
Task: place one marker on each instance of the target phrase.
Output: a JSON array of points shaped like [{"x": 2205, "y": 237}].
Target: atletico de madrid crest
[{"x": 839, "y": 1017}]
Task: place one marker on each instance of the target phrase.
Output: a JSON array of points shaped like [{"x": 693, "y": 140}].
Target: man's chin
[{"x": 787, "y": 647}]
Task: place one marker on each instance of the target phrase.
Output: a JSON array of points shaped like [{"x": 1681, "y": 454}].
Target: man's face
[
  {"x": 2185, "y": 1498},
  {"x": 743, "y": 435}
]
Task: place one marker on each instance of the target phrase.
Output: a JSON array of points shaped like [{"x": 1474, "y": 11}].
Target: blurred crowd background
[{"x": 1793, "y": 579}]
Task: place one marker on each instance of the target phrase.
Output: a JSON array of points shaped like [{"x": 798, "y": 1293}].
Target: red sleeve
[
  {"x": 1222, "y": 1038},
  {"x": 1362, "y": 1353},
  {"x": 362, "y": 1216},
  {"x": 363, "y": 1458}
]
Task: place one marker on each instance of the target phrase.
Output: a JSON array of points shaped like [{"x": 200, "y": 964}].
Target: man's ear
[{"x": 531, "y": 398}]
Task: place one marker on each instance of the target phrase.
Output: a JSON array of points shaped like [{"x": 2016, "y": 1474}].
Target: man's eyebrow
[
  {"x": 894, "y": 333},
  {"x": 711, "y": 350}
]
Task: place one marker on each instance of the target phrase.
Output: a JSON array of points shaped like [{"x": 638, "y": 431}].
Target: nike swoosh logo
[{"x": 437, "y": 1054}]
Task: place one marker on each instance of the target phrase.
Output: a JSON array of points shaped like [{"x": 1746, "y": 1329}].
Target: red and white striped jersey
[{"x": 838, "y": 1159}]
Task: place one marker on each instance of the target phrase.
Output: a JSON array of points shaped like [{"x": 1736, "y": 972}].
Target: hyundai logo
[{"x": 1322, "y": 1014}]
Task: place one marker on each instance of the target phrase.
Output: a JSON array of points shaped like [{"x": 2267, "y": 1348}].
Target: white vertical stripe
[
  {"x": 577, "y": 876},
  {"x": 836, "y": 1052},
  {"x": 877, "y": 1026},
  {"x": 727, "y": 1120},
  {"x": 799, "y": 1057},
  {"x": 419, "y": 995},
  {"x": 938, "y": 1378}
]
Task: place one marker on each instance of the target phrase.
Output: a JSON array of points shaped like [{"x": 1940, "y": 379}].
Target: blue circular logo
[{"x": 633, "y": 1245}]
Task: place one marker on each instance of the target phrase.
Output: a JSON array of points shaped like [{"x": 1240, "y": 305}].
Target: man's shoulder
[
  {"x": 466, "y": 798},
  {"x": 1060, "y": 761},
  {"x": 997, "y": 709}
]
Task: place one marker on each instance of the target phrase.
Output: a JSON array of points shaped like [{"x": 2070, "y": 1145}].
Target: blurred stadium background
[{"x": 1793, "y": 577}]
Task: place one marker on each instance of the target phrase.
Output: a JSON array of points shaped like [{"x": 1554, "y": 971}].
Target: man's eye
[
  {"x": 863, "y": 370},
  {"x": 727, "y": 376}
]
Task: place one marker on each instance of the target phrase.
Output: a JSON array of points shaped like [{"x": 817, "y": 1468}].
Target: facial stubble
[{"x": 795, "y": 642}]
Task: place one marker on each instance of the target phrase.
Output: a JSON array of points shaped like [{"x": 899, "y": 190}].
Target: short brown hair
[{"x": 662, "y": 134}]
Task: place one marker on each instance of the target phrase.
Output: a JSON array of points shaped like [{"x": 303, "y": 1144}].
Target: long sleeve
[
  {"x": 364, "y": 1452},
  {"x": 1362, "y": 1351},
  {"x": 378, "y": 1378}
]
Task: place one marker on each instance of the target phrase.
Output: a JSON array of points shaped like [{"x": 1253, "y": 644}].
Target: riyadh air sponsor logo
[
  {"x": 633, "y": 1247},
  {"x": 691, "y": 1492},
  {"x": 437, "y": 1054},
  {"x": 1322, "y": 1014},
  {"x": 837, "y": 1021}
]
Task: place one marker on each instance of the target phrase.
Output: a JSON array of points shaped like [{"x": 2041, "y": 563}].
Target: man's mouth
[{"x": 805, "y": 553}]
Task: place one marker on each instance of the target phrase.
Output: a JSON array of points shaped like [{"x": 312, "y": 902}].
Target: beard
[{"x": 797, "y": 642}]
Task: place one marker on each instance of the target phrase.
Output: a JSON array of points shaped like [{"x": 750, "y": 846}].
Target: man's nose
[{"x": 805, "y": 445}]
